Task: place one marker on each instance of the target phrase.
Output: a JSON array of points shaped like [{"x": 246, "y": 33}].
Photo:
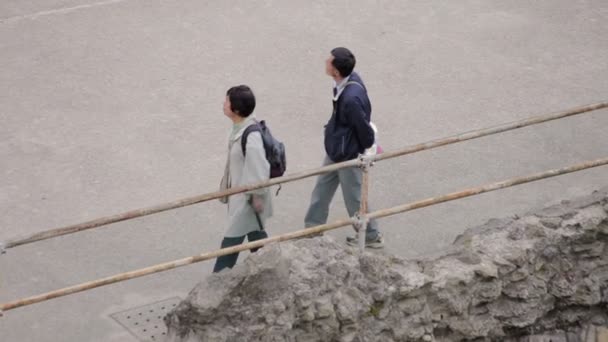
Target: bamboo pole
[
  {"x": 173, "y": 264},
  {"x": 298, "y": 234},
  {"x": 487, "y": 188},
  {"x": 52, "y": 233},
  {"x": 293, "y": 177},
  {"x": 490, "y": 131}
]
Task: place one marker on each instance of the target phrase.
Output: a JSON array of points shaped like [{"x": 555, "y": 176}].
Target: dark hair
[
  {"x": 242, "y": 100},
  {"x": 344, "y": 61}
]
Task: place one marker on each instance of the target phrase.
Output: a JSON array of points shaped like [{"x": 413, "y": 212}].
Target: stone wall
[{"x": 539, "y": 277}]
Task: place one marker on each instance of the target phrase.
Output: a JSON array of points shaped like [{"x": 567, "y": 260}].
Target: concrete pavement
[{"x": 115, "y": 105}]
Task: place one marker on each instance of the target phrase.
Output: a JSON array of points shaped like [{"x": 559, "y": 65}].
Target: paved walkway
[{"x": 114, "y": 105}]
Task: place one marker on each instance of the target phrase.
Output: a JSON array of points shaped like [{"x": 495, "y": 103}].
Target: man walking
[
  {"x": 347, "y": 134},
  {"x": 247, "y": 212}
]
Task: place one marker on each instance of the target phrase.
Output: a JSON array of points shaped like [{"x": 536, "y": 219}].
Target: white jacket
[{"x": 242, "y": 170}]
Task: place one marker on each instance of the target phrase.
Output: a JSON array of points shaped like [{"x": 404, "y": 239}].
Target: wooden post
[{"x": 363, "y": 219}]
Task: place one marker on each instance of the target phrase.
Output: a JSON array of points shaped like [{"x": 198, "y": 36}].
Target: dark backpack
[{"x": 275, "y": 150}]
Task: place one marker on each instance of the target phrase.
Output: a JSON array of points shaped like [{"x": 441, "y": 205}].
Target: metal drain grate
[{"x": 146, "y": 322}]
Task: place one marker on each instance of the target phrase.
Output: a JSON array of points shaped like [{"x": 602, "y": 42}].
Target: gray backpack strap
[{"x": 354, "y": 82}]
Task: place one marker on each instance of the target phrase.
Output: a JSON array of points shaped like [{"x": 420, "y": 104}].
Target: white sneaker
[{"x": 376, "y": 243}]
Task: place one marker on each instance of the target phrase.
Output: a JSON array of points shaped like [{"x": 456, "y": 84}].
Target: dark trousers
[{"x": 228, "y": 261}]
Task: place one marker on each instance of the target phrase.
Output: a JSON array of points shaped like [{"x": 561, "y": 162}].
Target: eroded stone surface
[{"x": 535, "y": 278}]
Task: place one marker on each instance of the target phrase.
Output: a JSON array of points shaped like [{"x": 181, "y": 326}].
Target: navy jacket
[{"x": 348, "y": 132}]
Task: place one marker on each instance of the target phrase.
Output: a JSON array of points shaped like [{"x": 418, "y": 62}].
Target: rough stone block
[{"x": 499, "y": 280}]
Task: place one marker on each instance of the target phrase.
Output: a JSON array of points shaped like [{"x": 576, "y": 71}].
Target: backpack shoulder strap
[
  {"x": 251, "y": 128},
  {"x": 355, "y": 82}
]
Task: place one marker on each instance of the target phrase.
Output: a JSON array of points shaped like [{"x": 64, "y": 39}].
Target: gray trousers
[{"x": 349, "y": 180}]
